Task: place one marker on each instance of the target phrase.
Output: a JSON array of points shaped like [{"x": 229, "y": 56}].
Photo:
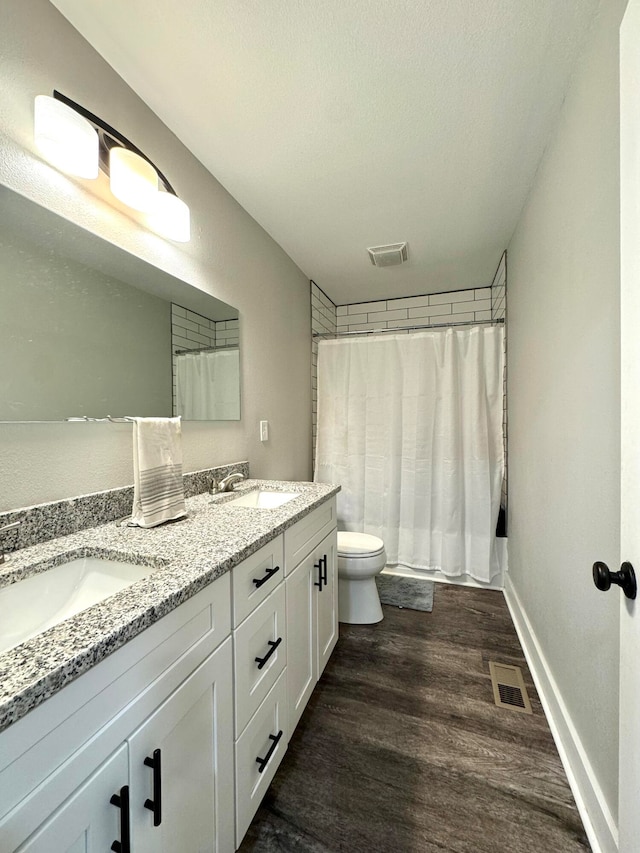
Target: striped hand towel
[{"x": 158, "y": 492}]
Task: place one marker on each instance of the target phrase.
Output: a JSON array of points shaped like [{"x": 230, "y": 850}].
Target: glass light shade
[
  {"x": 170, "y": 218},
  {"x": 67, "y": 140},
  {"x": 132, "y": 179}
]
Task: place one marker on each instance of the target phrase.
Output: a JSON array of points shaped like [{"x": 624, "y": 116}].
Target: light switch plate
[{"x": 264, "y": 430}]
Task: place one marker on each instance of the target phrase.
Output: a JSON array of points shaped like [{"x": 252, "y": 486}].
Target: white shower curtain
[
  {"x": 207, "y": 385},
  {"x": 411, "y": 426}
]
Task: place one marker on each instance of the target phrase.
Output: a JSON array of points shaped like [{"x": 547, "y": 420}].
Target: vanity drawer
[
  {"x": 262, "y": 745},
  {"x": 255, "y": 578},
  {"x": 256, "y": 639},
  {"x": 304, "y": 535}
]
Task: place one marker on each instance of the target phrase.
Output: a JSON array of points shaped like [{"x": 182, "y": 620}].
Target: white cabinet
[
  {"x": 301, "y": 638},
  {"x": 255, "y": 578},
  {"x": 327, "y": 600},
  {"x": 87, "y": 821},
  {"x": 180, "y": 762},
  {"x": 312, "y": 623},
  {"x": 283, "y": 635},
  {"x": 305, "y": 534},
  {"x": 260, "y": 658},
  {"x": 169, "y": 689},
  {"x": 168, "y": 787},
  {"x": 260, "y": 655},
  {"x": 259, "y": 751},
  {"x": 170, "y": 742}
]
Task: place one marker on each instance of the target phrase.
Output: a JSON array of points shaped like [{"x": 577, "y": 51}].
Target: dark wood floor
[{"x": 402, "y": 750}]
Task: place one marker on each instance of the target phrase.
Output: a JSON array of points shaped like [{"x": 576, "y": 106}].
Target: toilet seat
[{"x": 359, "y": 545}]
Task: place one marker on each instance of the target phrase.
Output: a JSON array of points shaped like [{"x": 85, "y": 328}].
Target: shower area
[{"x": 410, "y": 418}]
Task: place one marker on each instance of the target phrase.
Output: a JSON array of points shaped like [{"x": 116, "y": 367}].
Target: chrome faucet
[
  {"x": 226, "y": 485},
  {"x": 11, "y": 526}
]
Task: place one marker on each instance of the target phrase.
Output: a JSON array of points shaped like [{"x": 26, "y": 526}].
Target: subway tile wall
[
  {"x": 458, "y": 306},
  {"x": 227, "y": 333},
  {"x": 191, "y": 331},
  {"x": 499, "y": 291},
  {"x": 476, "y": 305}
]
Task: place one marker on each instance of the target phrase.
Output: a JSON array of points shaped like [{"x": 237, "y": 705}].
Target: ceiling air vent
[{"x": 388, "y": 256}]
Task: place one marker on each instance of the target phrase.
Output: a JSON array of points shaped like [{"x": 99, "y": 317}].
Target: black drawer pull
[
  {"x": 325, "y": 570},
  {"x": 264, "y": 761},
  {"x": 155, "y": 805},
  {"x": 121, "y": 800},
  {"x": 273, "y": 646},
  {"x": 269, "y": 574}
]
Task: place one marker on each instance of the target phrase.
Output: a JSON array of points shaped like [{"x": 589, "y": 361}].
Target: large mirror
[{"x": 88, "y": 330}]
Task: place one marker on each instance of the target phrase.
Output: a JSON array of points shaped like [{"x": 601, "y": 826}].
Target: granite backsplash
[{"x": 43, "y": 522}]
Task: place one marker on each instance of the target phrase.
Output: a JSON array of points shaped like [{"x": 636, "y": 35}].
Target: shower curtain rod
[
  {"x": 109, "y": 419},
  {"x": 406, "y": 328},
  {"x": 206, "y": 349}
]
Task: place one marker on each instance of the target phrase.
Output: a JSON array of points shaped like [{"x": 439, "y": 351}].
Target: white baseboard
[{"x": 598, "y": 821}]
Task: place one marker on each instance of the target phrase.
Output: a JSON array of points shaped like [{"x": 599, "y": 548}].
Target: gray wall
[
  {"x": 229, "y": 256},
  {"x": 564, "y": 400}
]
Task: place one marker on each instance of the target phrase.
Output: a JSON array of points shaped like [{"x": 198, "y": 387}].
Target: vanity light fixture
[
  {"x": 170, "y": 218},
  {"x": 132, "y": 179},
  {"x": 79, "y": 143},
  {"x": 66, "y": 139}
]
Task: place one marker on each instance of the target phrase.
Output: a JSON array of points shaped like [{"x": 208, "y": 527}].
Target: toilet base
[{"x": 359, "y": 602}]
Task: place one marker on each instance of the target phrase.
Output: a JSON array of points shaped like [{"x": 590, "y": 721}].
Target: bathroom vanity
[{"x": 156, "y": 719}]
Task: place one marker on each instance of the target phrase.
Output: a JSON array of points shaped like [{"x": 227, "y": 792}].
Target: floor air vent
[{"x": 509, "y": 690}]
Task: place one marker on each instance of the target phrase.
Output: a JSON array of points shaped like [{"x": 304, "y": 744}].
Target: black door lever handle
[{"x": 603, "y": 577}]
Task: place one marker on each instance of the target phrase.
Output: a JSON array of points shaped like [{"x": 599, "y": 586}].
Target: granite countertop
[{"x": 187, "y": 554}]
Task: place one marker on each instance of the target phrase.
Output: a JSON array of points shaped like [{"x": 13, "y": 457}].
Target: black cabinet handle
[
  {"x": 121, "y": 800},
  {"x": 262, "y": 762},
  {"x": 268, "y": 574},
  {"x": 155, "y": 805},
  {"x": 603, "y": 577},
  {"x": 321, "y": 565},
  {"x": 273, "y": 646}
]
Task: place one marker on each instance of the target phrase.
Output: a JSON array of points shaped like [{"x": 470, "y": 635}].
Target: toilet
[{"x": 360, "y": 558}]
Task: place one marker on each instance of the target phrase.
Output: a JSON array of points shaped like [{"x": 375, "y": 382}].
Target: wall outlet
[{"x": 264, "y": 430}]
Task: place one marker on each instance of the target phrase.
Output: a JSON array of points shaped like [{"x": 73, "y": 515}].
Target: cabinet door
[
  {"x": 301, "y": 632},
  {"x": 327, "y": 601},
  {"x": 181, "y": 766},
  {"x": 87, "y": 821}
]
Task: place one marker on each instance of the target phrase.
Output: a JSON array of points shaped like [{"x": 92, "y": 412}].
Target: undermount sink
[
  {"x": 263, "y": 500},
  {"x": 30, "y": 606}
]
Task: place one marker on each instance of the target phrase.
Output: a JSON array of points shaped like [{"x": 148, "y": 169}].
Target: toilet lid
[{"x": 358, "y": 544}]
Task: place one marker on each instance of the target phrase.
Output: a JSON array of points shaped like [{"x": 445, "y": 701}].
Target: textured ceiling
[{"x": 342, "y": 125}]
